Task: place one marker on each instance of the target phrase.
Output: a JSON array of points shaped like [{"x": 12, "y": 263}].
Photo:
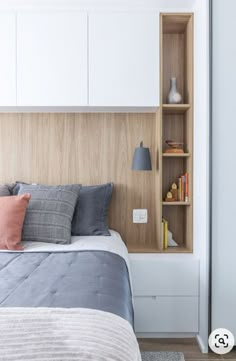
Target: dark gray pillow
[
  {"x": 16, "y": 188},
  {"x": 49, "y": 213},
  {"x": 90, "y": 217},
  {"x": 6, "y": 189}
]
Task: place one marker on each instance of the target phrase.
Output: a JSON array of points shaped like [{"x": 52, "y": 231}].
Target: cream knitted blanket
[{"x": 56, "y": 334}]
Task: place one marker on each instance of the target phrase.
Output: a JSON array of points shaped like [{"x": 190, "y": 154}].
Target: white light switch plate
[{"x": 140, "y": 216}]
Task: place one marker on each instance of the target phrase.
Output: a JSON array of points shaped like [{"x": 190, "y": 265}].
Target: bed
[{"x": 67, "y": 302}]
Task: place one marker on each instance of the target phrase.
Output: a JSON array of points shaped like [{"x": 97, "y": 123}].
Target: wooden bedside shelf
[
  {"x": 144, "y": 249},
  {"x": 152, "y": 249},
  {"x": 178, "y": 249},
  {"x": 175, "y": 108},
  {"x": 175, "y": 155},
  {"x": 176, "y": 203}
]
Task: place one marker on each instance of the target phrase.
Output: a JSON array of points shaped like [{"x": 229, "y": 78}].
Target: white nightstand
[{"x": 166, "y": 294}]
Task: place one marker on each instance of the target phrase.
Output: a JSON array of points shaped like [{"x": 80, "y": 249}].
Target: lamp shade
[{"x": 141, "y": 159}]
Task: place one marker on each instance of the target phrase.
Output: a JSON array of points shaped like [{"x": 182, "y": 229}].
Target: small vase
[{"x": 174, "y": 97}]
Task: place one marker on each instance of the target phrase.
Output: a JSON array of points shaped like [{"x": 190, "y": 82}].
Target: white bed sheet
[{"x": 113, "y": 244}]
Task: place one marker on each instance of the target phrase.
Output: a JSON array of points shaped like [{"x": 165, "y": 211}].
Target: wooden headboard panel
[{"x": 90, "y": 148}]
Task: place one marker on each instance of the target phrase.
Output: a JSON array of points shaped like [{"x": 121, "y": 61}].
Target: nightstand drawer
[
  {"x": 165, "y": 277},
  {"x": 166, "y": 314}
]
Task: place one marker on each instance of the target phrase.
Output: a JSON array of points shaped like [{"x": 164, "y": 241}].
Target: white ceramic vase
[{"x": 174, "y": 97}]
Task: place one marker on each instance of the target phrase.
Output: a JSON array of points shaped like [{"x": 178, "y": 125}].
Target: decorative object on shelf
[
  {"x": 174, "y": 191},
  {"x": 167, "y": 236},
  {"x": 169, "y": 197},
  {"x": 175, "y": 147},
  {"x": 179, "y": 193},
  {"x": 174, "y": 97},
  {"x": 171, "y": 241},
  {"x": 172, "y": 195},
  {"x": 141, "y": 158}
]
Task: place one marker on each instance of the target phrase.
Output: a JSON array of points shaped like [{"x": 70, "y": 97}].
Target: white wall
[
  {"x": 201, "y": 161},
  {"x": 224, "y": 166}
]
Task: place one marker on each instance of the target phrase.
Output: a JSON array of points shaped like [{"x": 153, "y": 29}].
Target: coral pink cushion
[{"x": 12, "y": 215}]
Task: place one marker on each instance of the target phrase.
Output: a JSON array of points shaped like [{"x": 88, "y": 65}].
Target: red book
[{"x": 186, "y": 187}]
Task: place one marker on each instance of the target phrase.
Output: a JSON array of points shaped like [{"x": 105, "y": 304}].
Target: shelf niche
[
  {"x": 177, "y": 51},
  {"x": 179, "y": 127},
  {"x": 179, "y": 222},
  {"x": 173, "y": 168}
]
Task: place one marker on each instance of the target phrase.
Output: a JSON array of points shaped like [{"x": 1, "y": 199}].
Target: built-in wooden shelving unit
[{"x": 176, "y": 123}]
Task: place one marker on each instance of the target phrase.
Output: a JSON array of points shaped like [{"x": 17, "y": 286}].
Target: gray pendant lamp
[{"x": 141, "y": 159}]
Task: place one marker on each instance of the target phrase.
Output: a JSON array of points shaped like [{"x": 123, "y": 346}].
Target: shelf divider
[
  {"x": 175, "y": 155},
  {"x": 175, "y": 108},
  {"x": 178, "y": 203}
]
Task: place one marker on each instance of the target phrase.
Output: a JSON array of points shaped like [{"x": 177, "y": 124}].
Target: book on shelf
[
  {"x": 167, "y": 237},
  {"x": 183, "y": 189},
  {"x": 180, "y": 189},
  {"x": 165, "y": 233},
  {"x": 186, "y": 187}
]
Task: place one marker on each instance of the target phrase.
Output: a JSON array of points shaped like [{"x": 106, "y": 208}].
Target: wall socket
[{"x": 140, "y": 216}]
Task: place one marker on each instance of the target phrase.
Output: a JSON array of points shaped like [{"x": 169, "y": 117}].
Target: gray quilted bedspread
[{"x": 87, "y": 279}]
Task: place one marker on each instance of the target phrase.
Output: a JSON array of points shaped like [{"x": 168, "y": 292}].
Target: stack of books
[{"x": 183, "y": 188}]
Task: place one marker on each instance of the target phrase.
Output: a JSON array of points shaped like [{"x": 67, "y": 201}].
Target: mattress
[{"x": 92, "y": 273}]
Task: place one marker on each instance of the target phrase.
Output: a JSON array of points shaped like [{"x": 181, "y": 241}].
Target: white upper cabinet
[
  {"x": 124, "y": 59},
  {"x": 7, "y": 59},
  {"x": 51, "y": 58},
  {"x": 69, "y": 58}
]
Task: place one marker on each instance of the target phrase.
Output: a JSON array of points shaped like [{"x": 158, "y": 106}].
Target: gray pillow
[
  {"x": 90, "y": 217},
  {"x": 49, "y": 213},
  {"x": 16, "y": 188},
  {"x": 6, "y": 189}
]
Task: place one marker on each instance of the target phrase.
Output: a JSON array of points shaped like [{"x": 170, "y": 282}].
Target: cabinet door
[
  {"x": 124, "y": 59},
  {"x": 7, "y": 59},
  {"x": 165, "y": 277},
  {"x": 51, "y": 59},
  {"x": 166, "y": 314}
]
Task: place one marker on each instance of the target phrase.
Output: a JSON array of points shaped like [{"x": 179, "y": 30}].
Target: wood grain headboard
[{"x": 90, "y": 148}]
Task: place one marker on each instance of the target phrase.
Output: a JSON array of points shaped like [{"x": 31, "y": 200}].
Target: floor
[{"x": 188, "y": 346}]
